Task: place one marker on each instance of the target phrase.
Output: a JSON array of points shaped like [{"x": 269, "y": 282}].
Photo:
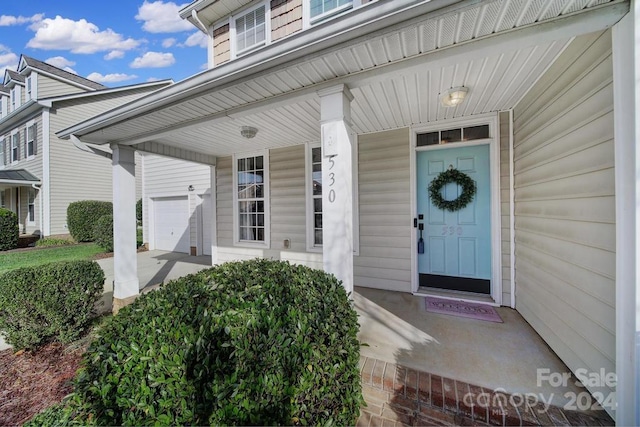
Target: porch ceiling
[{"x": 497, "y": 49}]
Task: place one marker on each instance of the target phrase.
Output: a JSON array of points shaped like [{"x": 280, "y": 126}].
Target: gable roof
[
  {"x": 47, "y": 68},
  {"x": 13, "y": 75}
]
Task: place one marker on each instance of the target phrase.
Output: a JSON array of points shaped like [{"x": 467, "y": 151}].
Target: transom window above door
[{"x": 462, "y": 134}]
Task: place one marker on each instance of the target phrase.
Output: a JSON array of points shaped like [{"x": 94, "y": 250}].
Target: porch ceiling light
[
  {"x": 248, "y": 131},
  {"x": 453, "y": 96}
]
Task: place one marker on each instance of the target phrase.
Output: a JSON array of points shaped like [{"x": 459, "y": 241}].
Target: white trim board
[{"x": 494, "y": 177}]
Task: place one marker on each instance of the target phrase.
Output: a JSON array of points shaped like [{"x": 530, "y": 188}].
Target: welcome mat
[{"x": 462, "y": 309}]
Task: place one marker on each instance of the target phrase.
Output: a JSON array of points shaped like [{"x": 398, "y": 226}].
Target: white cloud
[
  {"x": 62, "y": 62},
  {"x": 204, "y": 66},
  {"x": 111, "y": 78},
  {"x": 8, "y": 59},
  {"x": 197, "y": 39},
  {"x": 114, "y": 54},
  {"x": 161, "y": 17},
  {"x": 77, "y": 36},
  {"x": 8, "y": 20},
  {"x": 153, "y": 60},
  {"x": 167, "y": 43},
  {"x": 153, "y": 79}
]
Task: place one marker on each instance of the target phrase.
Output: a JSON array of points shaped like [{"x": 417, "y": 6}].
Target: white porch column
[
  {"x": 125, "y": 262},
  {"x": 214, "y": 218},
  {"x": 626, "y": 93},
  {"x": 337, "y": 188}
]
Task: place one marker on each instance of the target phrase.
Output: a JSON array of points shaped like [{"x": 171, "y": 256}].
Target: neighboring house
[
  {"x": 319, "y": 126},
  {"x": 39, "y": 173}
]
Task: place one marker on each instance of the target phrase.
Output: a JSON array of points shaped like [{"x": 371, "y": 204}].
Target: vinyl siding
[
  {"x": 221, "y": 45},
  {"x": 505, "y": 225},
  {"x": 164, "y": 176},
  {"x": 288, "y": 214},
  {"x": 384, "y": 203},
  {"x": 48, "y": 87},
  {"x": 32, "y": 164},
  {"x": 75, "y": 174},
  {"x": 565, "y": 206},
  {"x": 286, "y": 18}
]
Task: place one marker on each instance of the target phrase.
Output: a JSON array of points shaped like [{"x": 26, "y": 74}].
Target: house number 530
[{"x": 332, "y": 181}]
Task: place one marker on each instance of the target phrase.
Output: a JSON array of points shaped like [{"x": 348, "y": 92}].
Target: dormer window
[
  {"x": 15, "y": 98},
  {"x": 320, "y": 9},
  {"x": 250, "y": 29}
]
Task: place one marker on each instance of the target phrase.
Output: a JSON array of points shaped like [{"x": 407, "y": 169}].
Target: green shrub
[
  {"x": 65, "y": 414},
  {"x": 48, "y": 301},
  {"x": 9, "y": 230},
  {"x": 53, "y": 241},
  {"x": 247, "y": 343},
  {"x": 103, "y": 233},
  {"x": 83, "y": 215},
  {"x": 139, "y": 211}
]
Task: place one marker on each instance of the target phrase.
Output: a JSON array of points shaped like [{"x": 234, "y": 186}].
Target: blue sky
[{"x": 115, "y": 42}]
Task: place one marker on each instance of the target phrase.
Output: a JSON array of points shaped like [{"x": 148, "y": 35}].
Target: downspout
[
  {"x": 199, "y": 24},
  {"x": 39, "y": 188},
  {"x": 512, "y": 214}
]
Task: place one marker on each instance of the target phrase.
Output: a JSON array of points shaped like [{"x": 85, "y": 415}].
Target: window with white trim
[
  {"x": 15, "y": 147},
  {"x": 251, "y": 201},
  {"x": 3, "y": 202},
  {"x": 314, "y": 198},
  {"x": 320, "y": 9},
  {"x": 3, "y": 158},
  {"x": 31, "y": 140},
  {"x": 31, "y": 212},
  {"x": 250, "y": 29},
  {"x": 15, "y": 102},
  {"x": 29, "y": 88}
]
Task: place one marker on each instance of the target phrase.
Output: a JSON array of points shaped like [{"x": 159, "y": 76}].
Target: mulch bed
[{"x": 31, "y": 382}]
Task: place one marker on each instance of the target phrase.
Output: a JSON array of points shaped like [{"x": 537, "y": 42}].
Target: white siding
[
  {"x": 48, "y": 87},
  {"x": 164, "y": 176},
  {"x": 75, "y": 174},
  {"x": 385, "y": 218},
  {"x": 564, "y": 189},
  {"x": 505, "y": 234}
]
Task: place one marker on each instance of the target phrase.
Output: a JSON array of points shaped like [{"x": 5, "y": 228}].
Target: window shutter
[{"x": 26, "y": 150}]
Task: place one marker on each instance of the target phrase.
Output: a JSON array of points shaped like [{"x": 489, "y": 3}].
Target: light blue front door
[{"x": 457, "y": 245}]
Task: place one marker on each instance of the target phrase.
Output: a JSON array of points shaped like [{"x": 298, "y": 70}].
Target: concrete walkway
[{"x": 154, "y": 268}]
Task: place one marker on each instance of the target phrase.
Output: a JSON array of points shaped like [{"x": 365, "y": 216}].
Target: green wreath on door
[{"x": 467, "y": 184}]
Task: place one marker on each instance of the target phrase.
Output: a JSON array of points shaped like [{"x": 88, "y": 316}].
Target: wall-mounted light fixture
[
  {"x": 190, "y": 188},
  {"x": 453, "y": 96},
  {"x": 248, "y": 131}
]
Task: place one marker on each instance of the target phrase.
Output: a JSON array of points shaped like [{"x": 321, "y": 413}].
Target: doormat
[{"x": 462, "y": 309}]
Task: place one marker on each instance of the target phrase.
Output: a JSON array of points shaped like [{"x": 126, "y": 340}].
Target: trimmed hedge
[
  {"x": 83, "y": 215},
  {"x": 103, "y": 233},
  {"x": 9, "y": 230},
  {"x": 246, "y": 343},
  {"x": 49, "y": 301}
]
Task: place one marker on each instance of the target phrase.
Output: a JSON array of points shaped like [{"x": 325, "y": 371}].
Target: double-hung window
[
  {"x": 251, "y": 201},
  {"x": 15, "y": 147},
  {"x": 2, "y": 199},
  {"x": 29, "y": 88},
  {"x": 31, "y": 140},
  {"x": 250, "y": 29},
  {"x": 320, "y": 9},
  {"x": 15, "y": 102},
  {"x": 3, "y": 158}
]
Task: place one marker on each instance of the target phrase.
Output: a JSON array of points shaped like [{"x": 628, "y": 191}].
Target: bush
[
  {"x": 83, "y": 215},
  {"x": 139, "y": 211},
  {"x": 53, "y": 241},
  {"x": 9, "y": 230},
  {"x": 103, "y": 233},
  {"x": 49, "y": 301},
  {"x": 247, "y": 343}
]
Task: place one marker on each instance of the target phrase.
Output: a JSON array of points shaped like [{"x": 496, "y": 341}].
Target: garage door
[
  {"x": 206, "y": 224},
  {"x": 171, "y": 224}
]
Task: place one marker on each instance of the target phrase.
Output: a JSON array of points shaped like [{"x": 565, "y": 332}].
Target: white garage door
[
  {"x": 206, "y": 224},
  {"x": 171, "y": 224}
]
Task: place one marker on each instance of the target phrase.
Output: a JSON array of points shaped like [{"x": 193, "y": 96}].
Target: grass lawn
[{"x": 13, "y": 260}]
